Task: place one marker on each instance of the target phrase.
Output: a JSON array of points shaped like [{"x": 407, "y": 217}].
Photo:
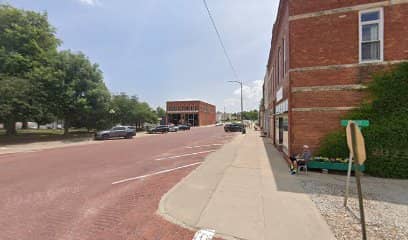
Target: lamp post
[{"x": 242, "y": 104}]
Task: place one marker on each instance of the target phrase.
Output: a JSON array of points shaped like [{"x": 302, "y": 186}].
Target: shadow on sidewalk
[{"x": 378, "y": 189}]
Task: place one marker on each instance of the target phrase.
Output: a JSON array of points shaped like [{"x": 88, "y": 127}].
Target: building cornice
[{"x": 347, "y": 9}]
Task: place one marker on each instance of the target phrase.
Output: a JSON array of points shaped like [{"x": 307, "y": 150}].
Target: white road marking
[
  {"x": 156, "y": 173},
  {"x": 209, "y": 145},
  {"x": 184, "y": 155},
  {"x": 204, "y": 234}
]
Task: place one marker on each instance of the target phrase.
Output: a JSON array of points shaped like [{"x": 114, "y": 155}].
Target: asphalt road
[{"x": 100, "y": 191}]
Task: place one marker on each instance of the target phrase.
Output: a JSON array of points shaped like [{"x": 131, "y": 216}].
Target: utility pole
[{"x": 242, "y": 101}]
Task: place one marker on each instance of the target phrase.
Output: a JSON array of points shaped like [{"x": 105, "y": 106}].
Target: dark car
[
  {"x": 234, "y": 127},
  {"x": 159, "y": 129},
  {"x": 183, "y": 127},
  {"x": 116, "y": 132}
]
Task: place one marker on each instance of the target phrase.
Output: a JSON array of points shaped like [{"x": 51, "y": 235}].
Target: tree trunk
[
  {"x": 24, "y": 125},
  {"x": 10, "y": 126},
  {"x": 66, "y": 127}
]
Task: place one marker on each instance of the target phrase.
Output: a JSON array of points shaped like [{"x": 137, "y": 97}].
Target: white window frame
[{"x": 380, "y": 34}]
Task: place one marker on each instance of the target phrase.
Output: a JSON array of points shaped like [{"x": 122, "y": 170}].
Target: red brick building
[
  {"x": 195, "y": 113},
  {"x": 322, "y": 54}
]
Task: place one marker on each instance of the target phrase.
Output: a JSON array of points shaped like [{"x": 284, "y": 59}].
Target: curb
[{"x": 161, "y": 211}]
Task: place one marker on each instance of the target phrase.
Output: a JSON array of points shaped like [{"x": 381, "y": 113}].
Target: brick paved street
[{"x": 67, "y": 193}]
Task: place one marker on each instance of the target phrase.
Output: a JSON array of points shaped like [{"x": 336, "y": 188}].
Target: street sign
[
  {"x": 358, "y": 149},
  {"x": 360, "y": 123}
]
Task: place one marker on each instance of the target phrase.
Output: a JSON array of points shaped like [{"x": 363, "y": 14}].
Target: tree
[
  {"x": 130, "y": 111},
  {"x": 14, "y": 101},
  {"x": 27, "y": 43},
  {"x": 251, "y": 115},
  {"x": 81, "y": 98},
  {"x": 160, "y": 112}
]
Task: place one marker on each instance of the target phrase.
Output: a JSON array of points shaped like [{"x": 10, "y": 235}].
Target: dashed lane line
[
  {"x": 184, "y": 155},
  {"x": 208, "y": 145},
  {"x": 155, "y": 173}
]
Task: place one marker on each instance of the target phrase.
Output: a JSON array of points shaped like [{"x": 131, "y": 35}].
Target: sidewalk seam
[{"x": 215, "y": 188}]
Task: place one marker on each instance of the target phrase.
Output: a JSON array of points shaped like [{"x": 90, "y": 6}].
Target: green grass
[{"x": 43, "y": 135}]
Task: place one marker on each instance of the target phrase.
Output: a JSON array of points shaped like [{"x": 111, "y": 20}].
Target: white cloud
[
  {"x": 90, "y": 2},
  {"x": 252, "y": 94}
]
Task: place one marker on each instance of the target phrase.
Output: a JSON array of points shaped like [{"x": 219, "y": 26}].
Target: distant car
[
  {"x": 116, "y": 132},
  {"x": 173, "y": 128},
  {"x": 184, "y": 127},
  {"x": 159, "y": 129},
  {"x": 219, "y": 124},
  {"x": 234, "y": 127}
]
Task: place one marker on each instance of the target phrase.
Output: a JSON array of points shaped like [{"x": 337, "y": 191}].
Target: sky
[{"x": 161, "y": 50}]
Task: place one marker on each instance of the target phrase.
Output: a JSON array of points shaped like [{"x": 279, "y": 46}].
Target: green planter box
[{"x": 331, "y": 166}]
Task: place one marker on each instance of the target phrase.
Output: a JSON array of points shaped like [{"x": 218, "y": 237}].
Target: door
[
  {"x": 119, "y": 132},
  {"x": 281, "y": 129}
]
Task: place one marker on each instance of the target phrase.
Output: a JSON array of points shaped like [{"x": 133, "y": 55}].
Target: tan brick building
[
  {"x": 194, "y": 113},
  {"x": 322, "y": 53}
]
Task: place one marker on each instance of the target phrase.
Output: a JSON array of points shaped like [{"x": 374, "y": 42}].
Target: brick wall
[
  {"x": 206, "y": 112},
  {"x": 323, "y": 45},
  {"x": 307, "y": 6},
  {"x": 310, "y": 127},
  {"x": 325, "y": 40},
  {"x": 396, "y": 32}
]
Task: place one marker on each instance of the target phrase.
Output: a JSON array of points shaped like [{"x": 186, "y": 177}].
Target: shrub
[
  {"x": 334, "y": 146},
  {"x": 387, "y": 137}
]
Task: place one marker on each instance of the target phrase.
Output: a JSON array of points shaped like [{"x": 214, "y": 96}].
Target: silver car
[{"x": 116, "y": 132}]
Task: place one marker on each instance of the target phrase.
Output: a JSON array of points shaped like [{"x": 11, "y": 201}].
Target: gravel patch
[{"x": 385, "y": 204}]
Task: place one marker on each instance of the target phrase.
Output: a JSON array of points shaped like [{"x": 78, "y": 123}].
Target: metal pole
[
  {"x": 242, "y": 106},
  {"x": 357, "y": 172},
  {"x": 348, "y": 179}
]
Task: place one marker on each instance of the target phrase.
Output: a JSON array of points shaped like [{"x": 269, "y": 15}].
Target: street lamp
[{"x": 242, "y": 104}]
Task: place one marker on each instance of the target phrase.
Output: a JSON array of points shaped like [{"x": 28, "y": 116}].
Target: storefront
[
  {"x": 282, "y": 126},
  {"x": 192, "y": 113}
]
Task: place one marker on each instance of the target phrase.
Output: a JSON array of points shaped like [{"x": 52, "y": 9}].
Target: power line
[{"x": 221, "y": 42}]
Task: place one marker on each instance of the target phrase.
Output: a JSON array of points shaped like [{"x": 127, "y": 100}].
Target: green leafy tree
[
  {"x": 81, "y": 98},
  {"x": 130, "y": 111},
  {"x": 27, "y": 45},
  {"x": 160, "y": 112},
  {"x": 251, "y": 115}
]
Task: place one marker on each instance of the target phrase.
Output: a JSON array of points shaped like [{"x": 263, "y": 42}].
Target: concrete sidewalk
[{"x": 244, "y": 191}]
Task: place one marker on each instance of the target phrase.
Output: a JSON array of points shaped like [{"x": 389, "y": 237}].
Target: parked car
[
  {"x": 184, "y": 127},
  {"x": 219, "y": 124},
  {"x": 159, "y": 129},
  {"x": 116, "y": 132},
  {"x": 133, "y": 128},
  {"x": 234, "y": 127},
  {"x": 173, "y": 128}
]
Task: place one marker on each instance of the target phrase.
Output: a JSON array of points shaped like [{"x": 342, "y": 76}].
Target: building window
[{"x": 371, "y": 35}]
